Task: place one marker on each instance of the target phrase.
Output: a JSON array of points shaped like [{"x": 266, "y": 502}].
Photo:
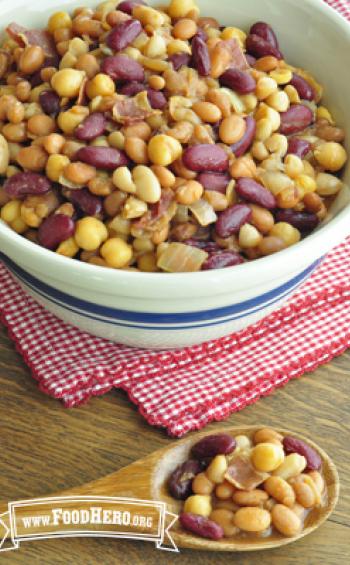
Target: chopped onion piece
[
  {"x": 203, "y": 212},
  {"x": 180, "y": 258}
]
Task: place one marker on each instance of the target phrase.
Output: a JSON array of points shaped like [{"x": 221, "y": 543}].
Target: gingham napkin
[{"x": 185, "y": 389}]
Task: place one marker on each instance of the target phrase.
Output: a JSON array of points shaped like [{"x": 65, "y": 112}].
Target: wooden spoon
[{"x": 146, "y": 479}]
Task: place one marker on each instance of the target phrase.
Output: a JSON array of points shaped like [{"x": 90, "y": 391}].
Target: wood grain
[{"x": 46, "y": 448}]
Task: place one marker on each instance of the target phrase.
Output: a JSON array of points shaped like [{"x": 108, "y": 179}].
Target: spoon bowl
[{"x": 146, "y": 479}]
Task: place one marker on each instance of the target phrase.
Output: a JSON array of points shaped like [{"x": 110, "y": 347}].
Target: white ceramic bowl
[{"x": 175, "y": 310}]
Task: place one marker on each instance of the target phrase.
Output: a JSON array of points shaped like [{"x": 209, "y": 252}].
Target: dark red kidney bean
[
  {"x": 208, "y": 246},
  {"x": 240, "y": 81},
  {"x": 180, "y": 481},
  {"x": 156, "y": 99},
  {"x": 88, "y": 203},
  {"x": 304, "y": 89},
  {"x": 232, "y": 219},
  {"x": 296, "y": 119},
  {"x": 221, "y": 260},
  {"x": 305, "y": 222},
  {"x": 55, "y": 229},
  {"x": 179, "y": 60},
  {"x": 123, "y": 34},
  {"x": 23, "y": 184},
  {"x": 259, "y": 47},
  {"x": 242, "y": 146},
  {"x": 206, "y": 157},
  {"x": 214, "y": 181},
  {"x": 50, "y": 102},
  {"x": 201, "y": 526},
  {"x": 293, "y": 445},
  {"x": 102, "y": 157},
  {"x": 299, "y": 147},
  {"x": 122, "y": 67},
  {"x": 93, "y": 126},
  {"x": 256, "y": 193},
  {"x": 128, "y": 6},
  {"x": 265, "y": 31},
  {"x": 250, "y": 60},
  {"x": 215, "y": 444},
  {"x": 200, "y": 56},
  {"x": 132, "y": 88}
]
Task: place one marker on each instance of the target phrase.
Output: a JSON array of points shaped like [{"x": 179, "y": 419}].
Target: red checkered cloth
[{"x": 186, "y": 389}]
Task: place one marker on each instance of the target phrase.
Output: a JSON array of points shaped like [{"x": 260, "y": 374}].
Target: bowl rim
[{"x": 134, "y": 280}]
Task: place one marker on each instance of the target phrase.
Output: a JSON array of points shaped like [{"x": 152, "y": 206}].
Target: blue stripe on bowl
[{"x": 144, "y": 320}]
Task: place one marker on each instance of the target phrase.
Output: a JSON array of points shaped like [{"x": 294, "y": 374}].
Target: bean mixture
[
  {"x": 258, "y": 486},
  {"x": 156, "y": 140}
]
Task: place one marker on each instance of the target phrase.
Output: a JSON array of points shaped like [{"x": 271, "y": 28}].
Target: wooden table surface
[{"x": 45, "y": 448}]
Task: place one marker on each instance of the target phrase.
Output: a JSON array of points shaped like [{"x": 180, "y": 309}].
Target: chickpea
[
  {"x": 147, "y": 263},
  {"x": 330, "y": 155},
  {"x": 267, "y": 456},
  {"x": 67, "y": 82},
  {"x": 116, "y": 253},
  {"x": 90, "y": 233},
  {"x": 55, "y": 166},
  {"x": 100, "y": 85},
  {"x": 141, "y": 130},
  {"x": 249, "y": 236},
  {"x": 59, "y": 20},
  {"x": 184, "y": 29},
  {"x": 189, "y": 192},
  {"x": 101, "y": 185},
  {"x": 164, "y": 150},
  {"x": 201, "y": 484},
  {"x": 79, "y": 173},
  {"x": 41, "y": 125},
  {"x": 198, "y": 504},
  {"x": 31, "y": 59},
  {"x": 243, "y": 167},
  {"x": 53, "y": 143},
  {"x": 69, "y": 120}
]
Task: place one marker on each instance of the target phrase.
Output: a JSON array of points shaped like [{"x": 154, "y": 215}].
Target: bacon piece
[
  {"x": 26, "y": 37},
  {"x": 238, "y": 60},
  {"x": 242, "y": 474},
  {"x": 157, "y": 212},
  {"x": 131, "y": 110}
]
